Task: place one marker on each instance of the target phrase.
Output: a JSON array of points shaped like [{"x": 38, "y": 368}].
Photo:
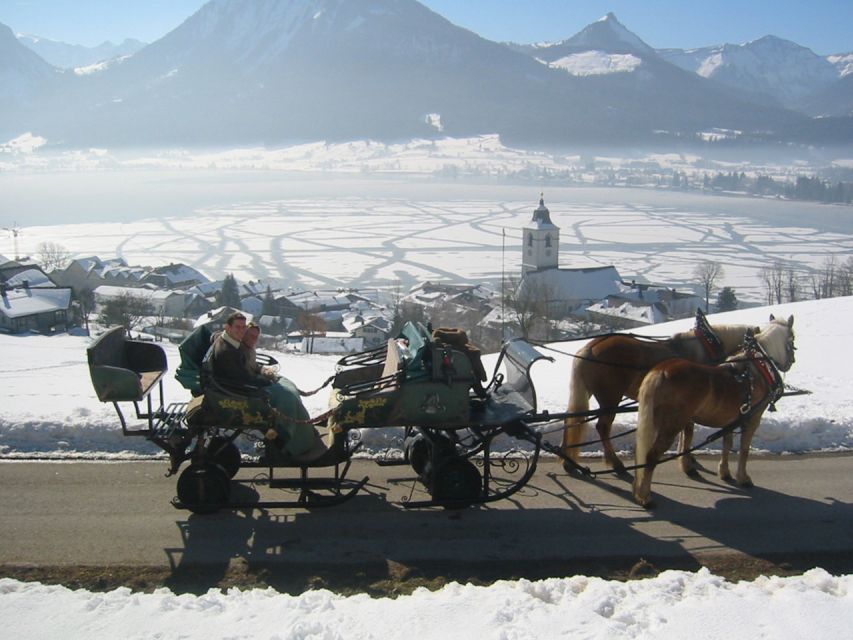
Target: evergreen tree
[
  {"x": 269, "y": 307},
  {"x": 229, "y": 296},
  {"x": 727, "y": 300}
]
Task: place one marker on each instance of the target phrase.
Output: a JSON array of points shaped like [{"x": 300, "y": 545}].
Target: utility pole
[{"x": 503, "y": 280}]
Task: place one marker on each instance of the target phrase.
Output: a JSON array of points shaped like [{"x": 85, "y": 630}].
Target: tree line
[{"x": 810, "y": 188}]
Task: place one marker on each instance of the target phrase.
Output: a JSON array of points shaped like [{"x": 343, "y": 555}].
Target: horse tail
[{"x": 574, "y": 428}]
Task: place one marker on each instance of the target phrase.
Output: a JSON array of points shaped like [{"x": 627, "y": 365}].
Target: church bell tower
[{"x": 541, "y": 241}]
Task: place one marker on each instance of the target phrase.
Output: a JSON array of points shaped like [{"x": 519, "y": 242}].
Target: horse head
[{"x": 777, "y": 340}]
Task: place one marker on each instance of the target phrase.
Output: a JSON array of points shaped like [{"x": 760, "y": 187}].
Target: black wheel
[
  {"x": 203, "y": 488},
  {"x": 224, "y": 453},
  {"x": 424, "y": 453},
  {"x": 417, "y": 453},
  {"x": 457, "y": 479}
]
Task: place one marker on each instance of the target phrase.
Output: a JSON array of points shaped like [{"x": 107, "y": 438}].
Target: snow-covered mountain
[
  {"x": 72, "y": 56},
  {"x": 843, "y": 62},
  {"x": 770, "y": 68},
  {"x": 265, "y": 71}
]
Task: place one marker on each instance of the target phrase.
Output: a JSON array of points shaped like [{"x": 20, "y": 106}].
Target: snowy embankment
[
  {"x": 675, "y": 604},
  {"x": 49, "y": 408}
]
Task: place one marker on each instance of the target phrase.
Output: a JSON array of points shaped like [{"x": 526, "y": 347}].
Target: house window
[
  {"x": 548, "y": 240},
  {"x": 530, "y": 240}
]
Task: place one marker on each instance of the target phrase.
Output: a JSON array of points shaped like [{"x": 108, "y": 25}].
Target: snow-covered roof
[
  {"x": 219, "y": 315},
  {"x": 206, "y": 289},
  {"x": 356, "y": 320},
  {"x": 178, "y": 273},
  {"x": 645, "y": 313},
  {"x": 337, "y": 344},
  {"x": 33, "y": 278},
  {"x": 113, "y": 291},
  {"x": 21, "y": 302}
]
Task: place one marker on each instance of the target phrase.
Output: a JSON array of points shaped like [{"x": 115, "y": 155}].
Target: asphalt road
[{"x": 102, "y": 514}]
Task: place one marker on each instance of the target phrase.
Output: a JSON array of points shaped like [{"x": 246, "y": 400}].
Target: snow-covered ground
[
  {"x": 50, "y": 410},
  {"x": 675, "y": 604}
]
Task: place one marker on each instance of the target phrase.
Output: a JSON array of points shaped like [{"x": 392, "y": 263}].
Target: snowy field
[{"x": 50, "y": 410}]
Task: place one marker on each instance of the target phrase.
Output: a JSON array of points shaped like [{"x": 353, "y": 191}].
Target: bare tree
[
  {"x": 53, "y": 255},
  {"x": 845, "y": 278},
  {"x": 792, "y": 284},
  {"x": 773, "y": 279},
  {"x": 127, "y": 310},
  {"x": 829, "y": 277},
  {"x": 310, "y": 324},
  {"x": 707, "y": 272},
  {"x": 529, "y": 303}
]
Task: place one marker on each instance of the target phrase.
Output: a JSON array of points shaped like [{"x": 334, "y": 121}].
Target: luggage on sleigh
[{"x": 431, "y": 384}]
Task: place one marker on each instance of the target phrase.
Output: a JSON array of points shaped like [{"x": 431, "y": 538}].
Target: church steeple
[
  {"x": 541, "y": 241},
  {"x": 541, "y": 213}
]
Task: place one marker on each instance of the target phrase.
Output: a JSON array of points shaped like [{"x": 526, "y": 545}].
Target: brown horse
[
  {"x": 613, "y": 366},
  {"x": 676, "y": 393}
]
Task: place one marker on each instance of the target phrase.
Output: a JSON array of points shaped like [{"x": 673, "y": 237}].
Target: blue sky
[{"x": 825, "y": 26}]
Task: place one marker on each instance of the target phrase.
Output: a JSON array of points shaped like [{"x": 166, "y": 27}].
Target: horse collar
[{"x": 708, "y": 338}]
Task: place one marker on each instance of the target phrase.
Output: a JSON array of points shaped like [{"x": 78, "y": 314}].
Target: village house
[
  {"x": 163, "y": 303},
  {"x": 371, "y": 326},
  {"x": 42, "y": 309},
  {"x": 174, "y": 276}
]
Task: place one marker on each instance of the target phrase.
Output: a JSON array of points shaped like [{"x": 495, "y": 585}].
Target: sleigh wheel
[
  {"x": 204, "y": 488},
  {"x": 457, "y": 480},
  {"x": 225, "y": 453}
]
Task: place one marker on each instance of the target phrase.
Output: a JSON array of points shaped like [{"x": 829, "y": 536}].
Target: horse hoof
[
  {"x": 746, "y": 484},
  {"x": 692, "y": 473},
  {"x": 572, "y": 470}
]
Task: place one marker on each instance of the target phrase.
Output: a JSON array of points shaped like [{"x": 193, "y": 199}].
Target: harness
[
  {"x": 706, "y": 336},
  {"x": 758, "y": 360}
]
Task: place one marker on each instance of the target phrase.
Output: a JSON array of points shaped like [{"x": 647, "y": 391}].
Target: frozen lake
[{"x": 324, "y": 230}]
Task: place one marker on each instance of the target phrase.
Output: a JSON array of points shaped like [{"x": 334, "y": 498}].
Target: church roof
[{"x": 542, "y": 216}]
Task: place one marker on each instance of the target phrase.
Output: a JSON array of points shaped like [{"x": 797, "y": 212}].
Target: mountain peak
[{"x": 610, "y": 35}]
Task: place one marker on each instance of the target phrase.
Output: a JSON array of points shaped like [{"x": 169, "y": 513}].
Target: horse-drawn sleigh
[{"x": 430, "y": 387}]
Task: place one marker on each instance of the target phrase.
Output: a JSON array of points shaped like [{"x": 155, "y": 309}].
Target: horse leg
[
  {"x": 747, "y": 431},
  {"x": 603, "y": 426},
  {"x": 653, "y": 439},
  {"x": 723, "y": 470},
  {"x": 687, "y": 460}
]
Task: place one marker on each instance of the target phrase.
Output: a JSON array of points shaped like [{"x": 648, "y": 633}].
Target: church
[{"x": 565, "y": 290}]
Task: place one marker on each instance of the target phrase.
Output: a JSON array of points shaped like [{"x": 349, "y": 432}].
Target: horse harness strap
[
  {"x": 706, "y": 336},
  {"x": 768, "y": 373}
]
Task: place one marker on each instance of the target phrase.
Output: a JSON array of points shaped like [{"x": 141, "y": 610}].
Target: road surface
[{"x": 103, "y": 515}]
